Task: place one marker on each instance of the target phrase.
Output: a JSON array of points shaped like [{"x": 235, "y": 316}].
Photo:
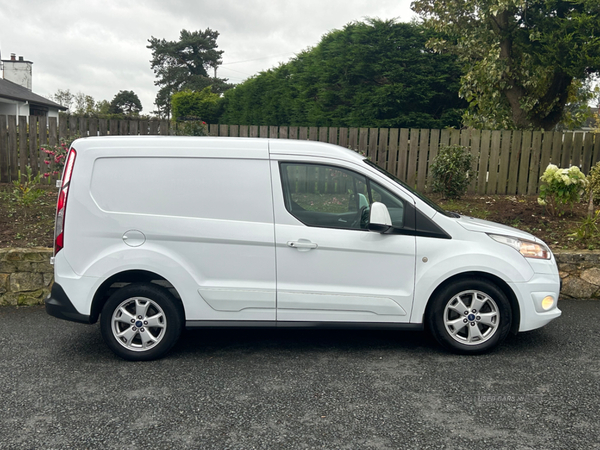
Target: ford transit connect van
[{"x": 154, "y": 234}]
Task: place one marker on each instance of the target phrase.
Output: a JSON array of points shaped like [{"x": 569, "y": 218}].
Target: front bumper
[
  {"x": 530, "y": 295},
  {"x": 59, "y": 305}
]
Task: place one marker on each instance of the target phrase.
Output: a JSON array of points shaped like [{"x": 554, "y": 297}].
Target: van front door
[{"x": 330, "y": 268}]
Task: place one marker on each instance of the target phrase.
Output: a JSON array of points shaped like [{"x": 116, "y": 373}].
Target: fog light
[{"x": 547, "y": 302}]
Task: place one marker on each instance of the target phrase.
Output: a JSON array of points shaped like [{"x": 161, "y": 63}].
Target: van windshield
[{"x": 411, "y": 190}]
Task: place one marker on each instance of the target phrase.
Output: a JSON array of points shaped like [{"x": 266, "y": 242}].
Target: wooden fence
[{"x": 505, "y": 162}]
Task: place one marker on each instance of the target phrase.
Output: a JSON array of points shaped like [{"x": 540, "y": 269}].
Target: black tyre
[
  {"x": 141, "y": 322},
  {"x": 470, "y": 316}
]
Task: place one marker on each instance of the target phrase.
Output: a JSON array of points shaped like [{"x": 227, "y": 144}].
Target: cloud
[{"x": 99, "y": 47}]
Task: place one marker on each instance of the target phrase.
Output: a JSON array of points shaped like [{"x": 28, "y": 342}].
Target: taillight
[{"x": 61, "y": 206}]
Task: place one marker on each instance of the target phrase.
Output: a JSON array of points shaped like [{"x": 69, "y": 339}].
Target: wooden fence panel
[
  {"x": 333, "y": 135},
  {"x": 42, "y": 142},
  {"x": 393, "y": 151},
  {"x": 23, "y": 144},
  {"x": 483, "y": 162},
  {"x": 154, "y": 127},
  {"x": 323, "y": 134},
  {"x": 353, "y": 139},
  {"x": 52, "y": 131},
  {"x": 372, "y": 145},
  {"x": 343, "y": 137},
  {"x": 577, "y": 148},
  {"x": 4, "y": 158},
  {"x": 102, "y": 127},
  {"x": 504, "y": 161},
  {"x": 403, "y": 153},
  {"x": 494, "y": 161},
  {"x": 72, "y": 126},
  {"x": 413, "y": 153},
  {"x": 524, "y": 163},
  {"x": 596, "y": 157},
  {"x": 507, "y": 162},
  {"x": 422, "y": 160},
  {"x": 557, "y": 144},
  {"x": 515, "y": 158},
  {"x": 363, "y": 135},
  {"x": 546, "y": 150},
  {"x": 12, "y": 147},
  {"x": 567, "y": 150},
  {"x": 475, "y": 144},
  {"x": 534, "y": 165},
  {"x": 434, "y": 146},
  {"x": 382, "y": 148},
  {"x": 163, "y": 128},
  {"x": 587, "y": 153}
]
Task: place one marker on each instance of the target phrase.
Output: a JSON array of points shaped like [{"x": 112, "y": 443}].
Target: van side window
[{"x": 333, "y": 197}]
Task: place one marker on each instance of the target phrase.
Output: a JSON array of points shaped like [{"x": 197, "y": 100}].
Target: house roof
[{"x": 13, "y": 91}]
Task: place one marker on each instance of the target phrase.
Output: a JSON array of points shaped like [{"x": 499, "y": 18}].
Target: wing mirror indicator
[{"x": 379, "y": 218}]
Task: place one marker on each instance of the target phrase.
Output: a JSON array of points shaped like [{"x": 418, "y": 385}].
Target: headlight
[{"x": 528, "y": 249}]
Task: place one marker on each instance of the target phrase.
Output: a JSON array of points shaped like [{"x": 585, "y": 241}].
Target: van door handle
[{"x": 302, "y": 245}]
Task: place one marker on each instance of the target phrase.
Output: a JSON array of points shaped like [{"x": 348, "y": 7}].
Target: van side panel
[{"x": 210, "y": 217}]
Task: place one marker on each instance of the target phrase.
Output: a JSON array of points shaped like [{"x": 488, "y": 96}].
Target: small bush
[
  {"x": 451, "y": 171},
  {"x": 561, "y": 187},
  {"x": 24, "y": 190},
  {"x": 190, "y": 126}
]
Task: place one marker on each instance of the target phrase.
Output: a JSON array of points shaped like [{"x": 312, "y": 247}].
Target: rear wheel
[
  {"x": 470, "y": 316},
  {"x": 141, "y": 322}
]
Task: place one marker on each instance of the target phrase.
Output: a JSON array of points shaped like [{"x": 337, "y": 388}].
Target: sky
[{"x": 99, "y": 47}]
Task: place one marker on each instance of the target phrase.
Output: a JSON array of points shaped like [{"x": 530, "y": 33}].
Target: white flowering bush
[{"x": 561, "y": 187}]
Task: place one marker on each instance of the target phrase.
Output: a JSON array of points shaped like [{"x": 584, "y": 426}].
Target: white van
[{"x": 154, "y": 234}]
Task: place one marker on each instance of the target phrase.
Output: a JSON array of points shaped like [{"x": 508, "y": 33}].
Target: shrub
[
  {"x": 561, "y": 187},
  {"x": 190, "y": 126},
  {"x": 24, "y": 189},
  {"x": 451, "y": 171},
  {"x": 56, "y": 156}
]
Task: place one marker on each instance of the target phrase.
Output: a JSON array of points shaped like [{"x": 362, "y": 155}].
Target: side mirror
[{"x": 379, "y": 218}]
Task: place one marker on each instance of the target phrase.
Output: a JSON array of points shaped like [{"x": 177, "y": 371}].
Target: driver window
[
  {"x": 333, "y": 197},
  {"x": 324, "y": 196}
]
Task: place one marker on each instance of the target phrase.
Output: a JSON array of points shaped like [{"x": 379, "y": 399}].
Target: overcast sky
[{"x": 99, "y": 47}]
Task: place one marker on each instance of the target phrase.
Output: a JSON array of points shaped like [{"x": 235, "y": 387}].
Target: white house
[{"x": 16, "y": 96}]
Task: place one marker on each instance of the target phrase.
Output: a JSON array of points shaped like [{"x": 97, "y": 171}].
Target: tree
[
  {"x": 63, "y": 98},
  {"x": 125, "y": 102},
  {"x": 523, "y": 58},
  {"x": 84, "y": 104},
  {"x": 195, "y": 105},
  {"x": 369, "y": 74},
  {"x": 185, "y": 64}
]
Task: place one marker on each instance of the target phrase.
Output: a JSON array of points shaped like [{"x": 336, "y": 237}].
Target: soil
[{"x": 33, "y": 225}]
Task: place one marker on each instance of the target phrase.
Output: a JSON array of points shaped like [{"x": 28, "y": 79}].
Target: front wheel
[
  {"x": 470, "y": 316},
  {"x": 141, "y": 322}
]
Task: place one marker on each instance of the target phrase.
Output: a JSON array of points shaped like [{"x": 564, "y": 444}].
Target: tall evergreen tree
[
  {"x": 186, "y": 64},
  {"x": 369, "y": 74}
]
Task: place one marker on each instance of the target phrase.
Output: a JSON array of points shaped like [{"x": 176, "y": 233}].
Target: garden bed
[{"x": 33, "y": 225}]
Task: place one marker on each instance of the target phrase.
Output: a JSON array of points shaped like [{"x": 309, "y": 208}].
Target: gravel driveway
[{"x": 60, "y": 388}]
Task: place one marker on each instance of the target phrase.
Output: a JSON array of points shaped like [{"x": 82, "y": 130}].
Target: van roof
[{"x": 275, "y": 146}]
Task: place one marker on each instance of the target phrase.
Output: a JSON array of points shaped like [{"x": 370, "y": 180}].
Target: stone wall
[
  {"x": 580, "y": 273},
  {"x": 26, "y": 275}
]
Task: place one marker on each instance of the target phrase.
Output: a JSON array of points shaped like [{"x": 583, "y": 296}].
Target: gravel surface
[{"x": 61, "y": 388}]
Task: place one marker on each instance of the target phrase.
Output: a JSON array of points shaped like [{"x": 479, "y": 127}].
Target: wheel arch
[
  {"x": 499, "y": 282},
  {"x": 122, "y": 279}
]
